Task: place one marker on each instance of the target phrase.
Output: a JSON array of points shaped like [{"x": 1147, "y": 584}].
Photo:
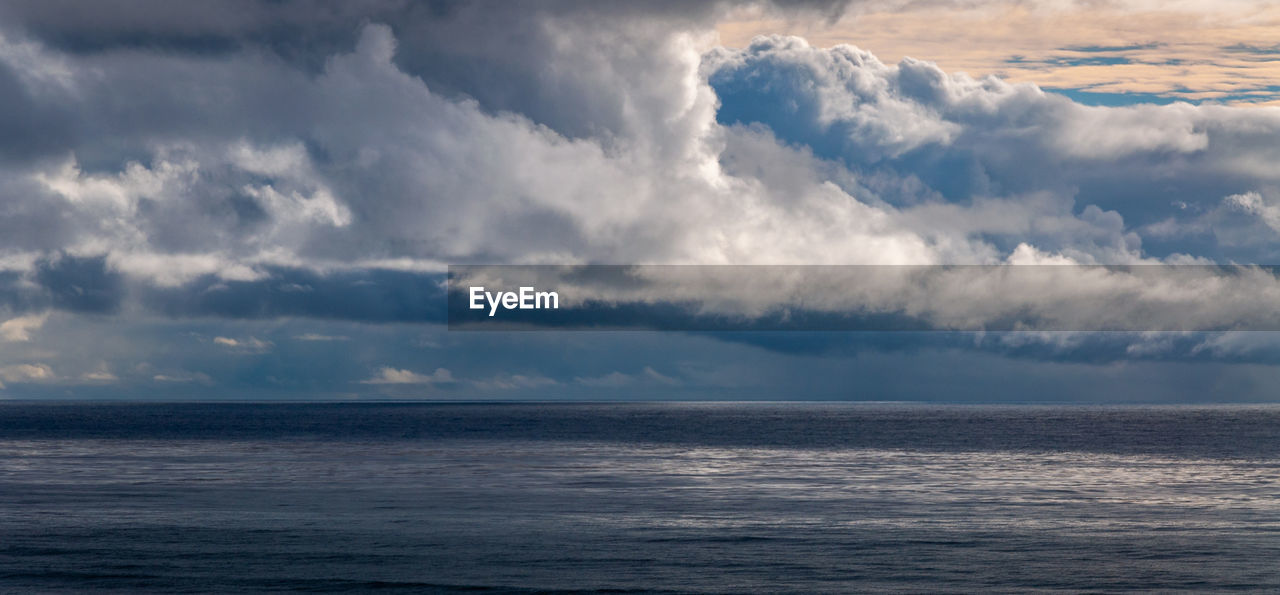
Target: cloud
[
  {"x": 247, "y": 345},
  {"x": 1239, "y": 346},
  {"x": 618, "y": 379},
  {"x": 282, "y": 162},
  {"x": 1015, "y": 164},
  {"x": 374, "y": 295},
  {"x": 514, "y": 382},
  {"x": 319, "y": 337},
  {"x": 24, "y": 373},
  {"x": 19, "y": 329},
  {"x": 1191, "y": 50},
  {"x": 183, "y": 377},
  {"x": 389, "y": 375},
  {"x": 1033, "y": 290},
  {"x": 845, "y": 102},
  {"x": 1254, "y": 204},
  {"x": 387, "y": 154},
  {"x": 100, "y": 375}
]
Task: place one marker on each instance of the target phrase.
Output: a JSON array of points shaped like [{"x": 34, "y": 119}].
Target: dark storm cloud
[
  {"x": 84, "y": 285},
  {"x": 88, "y": 285},
  {"x": 201, "y": 27},
  {"x": 363, "y": 296},
  {"x": 29, "y": 125},
  {"x": 494, "y": 51},
  {"x": 17, "y": 296},
  {"x": 66, "y": 283}
]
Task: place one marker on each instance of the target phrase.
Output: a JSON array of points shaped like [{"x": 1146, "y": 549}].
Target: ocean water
[{"x": 637, "y": 497}]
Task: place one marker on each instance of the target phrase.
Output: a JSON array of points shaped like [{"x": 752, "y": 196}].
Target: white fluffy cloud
[
  {"x": 379, "y": 168},
  {"x": 1253, "y": 203},
  {"x": 884, "y": 111},
  {"x": 373, "y": 166}
]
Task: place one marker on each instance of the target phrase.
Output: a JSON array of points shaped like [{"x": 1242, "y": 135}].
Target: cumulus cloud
[
  {"x": 451, "y": 182},
  {"x": 1254, "y": 204},
  {"x": 846, "y": 103},
  {"x": 375, "y": 162},
  {"x": 195, "y": 165},
  {"x": 101, "y": 374},
  {"x": 22, "y": 373},
  {"x": 19, "y": 329},
  {"x": 1115, "y": 51}
]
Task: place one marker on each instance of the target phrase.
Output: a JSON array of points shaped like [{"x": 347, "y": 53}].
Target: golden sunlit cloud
[{"x": 1198, "y": 51}]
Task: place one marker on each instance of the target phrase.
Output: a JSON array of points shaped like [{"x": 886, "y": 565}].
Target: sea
[{"x": 637, "y": 497}]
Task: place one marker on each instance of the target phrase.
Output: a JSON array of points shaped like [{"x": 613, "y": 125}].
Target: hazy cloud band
[{"x": 1183, "y": 298}]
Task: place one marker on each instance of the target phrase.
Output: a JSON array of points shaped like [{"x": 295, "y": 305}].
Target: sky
[
  {"x": 1101, "y": 53},
  {"x": 259, "y": 199}
]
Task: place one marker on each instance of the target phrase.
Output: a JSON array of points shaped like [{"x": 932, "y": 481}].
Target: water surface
[{"x": 645, "y": 497}]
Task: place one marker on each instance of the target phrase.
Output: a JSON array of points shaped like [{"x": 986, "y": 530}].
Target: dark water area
[{"x": 673, "y": 497}]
